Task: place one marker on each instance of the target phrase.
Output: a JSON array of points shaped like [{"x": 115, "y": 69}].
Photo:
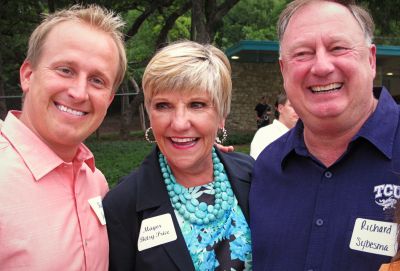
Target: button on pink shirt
[{"x": 46, "y": 221}]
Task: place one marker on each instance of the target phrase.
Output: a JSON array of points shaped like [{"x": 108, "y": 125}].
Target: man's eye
[
  {"x": 64, "y": 70},
  {"x": 97, "y": 81},
  {"x": 197, "y": 105},
  {"x": 302, "y": 55},
  {"x": 339, "y": 49}
]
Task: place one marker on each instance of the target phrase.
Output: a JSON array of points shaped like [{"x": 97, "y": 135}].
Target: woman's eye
[
  {"x": 197, "y": 105},
  {"x": 161, "y": 106}
]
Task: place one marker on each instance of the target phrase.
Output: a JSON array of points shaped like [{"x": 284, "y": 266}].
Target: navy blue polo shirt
[{"x": 302, "y": 214}]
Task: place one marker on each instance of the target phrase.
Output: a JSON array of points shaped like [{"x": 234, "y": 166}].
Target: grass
[{"x": 117, "y": 158}]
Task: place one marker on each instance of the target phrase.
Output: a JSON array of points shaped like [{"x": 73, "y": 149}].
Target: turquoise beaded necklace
[{"x": 190, "y": 208}]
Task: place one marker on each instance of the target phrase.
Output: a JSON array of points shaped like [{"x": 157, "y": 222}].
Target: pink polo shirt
[{"x": 46, "y": 221}]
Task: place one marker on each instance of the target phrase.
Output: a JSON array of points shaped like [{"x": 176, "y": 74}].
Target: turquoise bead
[
  {"x": 223, "y": 186},
  {"x": 190, "y": 208},
  {"x": 186, "y": 215},
  {"x": 195, "y": 202},
  {"x": 203, "y": 206},
  {"x": 225, "y": 205},
  {"x": 200, "y": 214},
  {"x": 182, "y": 198},
  {"x": 177, "y": 189},
  {"x": 192, "y": 218}
]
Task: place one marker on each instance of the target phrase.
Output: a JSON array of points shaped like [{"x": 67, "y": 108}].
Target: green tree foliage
[
  {"x": 251, "y": 20},
  {"x": 386, "y": 15}
]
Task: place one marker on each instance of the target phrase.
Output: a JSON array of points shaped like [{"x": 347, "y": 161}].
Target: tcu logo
[{"x": 386, "y": 195}]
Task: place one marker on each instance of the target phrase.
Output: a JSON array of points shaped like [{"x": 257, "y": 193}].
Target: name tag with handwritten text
[
  {"x": 155, "y": 231},
  {"x": 373, "y": 236},
  {"x": 97, "y": 207}
]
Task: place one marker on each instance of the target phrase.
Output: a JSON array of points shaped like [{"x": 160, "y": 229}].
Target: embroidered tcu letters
[{"x": 386, "y": 195}]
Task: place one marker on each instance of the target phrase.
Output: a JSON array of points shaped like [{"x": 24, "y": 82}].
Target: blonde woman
[{"x": 186, "y": 207}]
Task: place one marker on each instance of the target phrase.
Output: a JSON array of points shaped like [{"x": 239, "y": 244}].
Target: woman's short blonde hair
[
  {"x": 187, "y": 66},
  {"x": 93, "y": 15}
]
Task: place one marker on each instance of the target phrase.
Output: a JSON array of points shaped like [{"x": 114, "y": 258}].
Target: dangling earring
[
  {"x": 221, "y": 131},
  {"x": 146, "y": 135}
]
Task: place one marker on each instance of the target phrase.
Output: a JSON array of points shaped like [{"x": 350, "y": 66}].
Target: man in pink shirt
[{"x": 51, "y": 217}]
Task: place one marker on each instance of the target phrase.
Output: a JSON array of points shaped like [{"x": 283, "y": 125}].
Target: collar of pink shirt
[{"x": 30, "y": 147}]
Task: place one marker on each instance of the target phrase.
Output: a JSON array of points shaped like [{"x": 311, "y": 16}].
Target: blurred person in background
[{"x": 285, "y": 119}]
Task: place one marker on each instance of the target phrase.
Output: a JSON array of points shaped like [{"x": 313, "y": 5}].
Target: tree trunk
[
  {"x": 146, "y": 13},
  {"x": 126, "y": 113},
  {"x": 129, "y": 107},
  {"x": 169, "y": 23},
  {"x": 199, "y": 32},
  {"x": 207, "y": 18},
  {"x": 3, "y": 105}
]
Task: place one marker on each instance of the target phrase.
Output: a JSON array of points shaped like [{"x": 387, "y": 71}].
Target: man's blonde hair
[
  {"x": 187, "y": 66},
  {"x": 93, "y": 15}
]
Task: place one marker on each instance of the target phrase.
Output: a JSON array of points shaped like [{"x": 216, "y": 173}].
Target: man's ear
[
  {"x": 372, "y": 59},
  {"x": 25, "y": 73},
  {"x": 111, "y": 98}
]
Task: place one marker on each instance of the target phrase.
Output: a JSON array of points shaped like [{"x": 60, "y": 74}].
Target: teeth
[
  {"x": 69, "y": 110},
  {"x": 326, "y": 88},
  {"x": 183, "y": 140}
]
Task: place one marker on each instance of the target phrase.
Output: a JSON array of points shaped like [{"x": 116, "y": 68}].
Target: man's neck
[{"x": 329, "y": 142}]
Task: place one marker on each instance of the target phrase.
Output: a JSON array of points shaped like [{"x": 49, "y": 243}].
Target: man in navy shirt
[{"x": 323, "y": 195}]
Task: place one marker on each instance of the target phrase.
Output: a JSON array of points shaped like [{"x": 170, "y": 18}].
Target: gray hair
[{"x": 361, "y": 15}]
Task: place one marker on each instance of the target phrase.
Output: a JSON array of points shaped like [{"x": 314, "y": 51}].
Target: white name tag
[
  {"x": 377, "y": 237},
  {"x": 97, "y": 207},
  {"x": 155, "y": 231}
]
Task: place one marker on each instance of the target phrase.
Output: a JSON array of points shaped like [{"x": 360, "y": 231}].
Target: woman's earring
[
  {"x": 146, "y": 135},
  {"x": 221, "y": 132}
]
